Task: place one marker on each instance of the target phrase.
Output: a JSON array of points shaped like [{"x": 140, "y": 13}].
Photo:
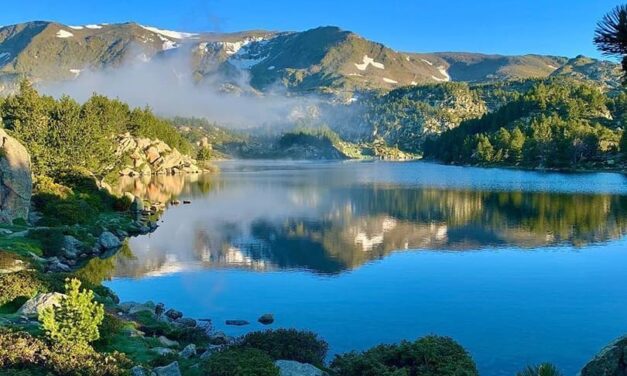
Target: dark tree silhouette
[{"x": 610, "y": 35}]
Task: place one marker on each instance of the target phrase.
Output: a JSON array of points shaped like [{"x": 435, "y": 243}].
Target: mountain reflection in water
[{"x": 331, "y": 219}]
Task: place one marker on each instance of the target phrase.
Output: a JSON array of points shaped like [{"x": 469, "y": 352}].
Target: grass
[{"x": 21, "y": 246}]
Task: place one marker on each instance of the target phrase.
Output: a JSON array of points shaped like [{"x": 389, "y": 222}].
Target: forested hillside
[{"x": 555, "y": 124}]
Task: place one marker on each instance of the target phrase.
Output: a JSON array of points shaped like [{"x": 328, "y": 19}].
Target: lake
[{"x": 519, "y": 267}]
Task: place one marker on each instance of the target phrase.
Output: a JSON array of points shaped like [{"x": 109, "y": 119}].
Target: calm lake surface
[{"x": 519, "y": 267}]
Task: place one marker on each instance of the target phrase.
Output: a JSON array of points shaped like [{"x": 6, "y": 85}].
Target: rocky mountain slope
[{"x": 324, "y": 59}]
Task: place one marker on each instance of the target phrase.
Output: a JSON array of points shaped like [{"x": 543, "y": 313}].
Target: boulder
[
  {"x": 293, "y": 368},
  {"x": 34, "y": 305},
  {"x": 173, "y": 314},
  {"x": 16, "y": 184},
  {"x": 72, "y": 247},
  {"x": 58, "y": 267},
  {"x": 162, "y": 350},
  {"x": 237, "y": 322},
  {"x": 188, "y": 351},
  {"x": 266, "y": 319},
  {"x": 139, "y": 371},
  {"x": 171, "y": 369},
  {"x": 610, "y": 361},
  {"x": 219, "y": 338},
  {"x": 165, "y": 341},
  {"x": 186, "y": 321},
  {"x": 108, "y": 241}
]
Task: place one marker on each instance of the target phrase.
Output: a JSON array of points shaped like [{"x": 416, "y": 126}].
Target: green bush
[
  {"x": 20, "y": 284},
  {"x": 154, "y": 327},
  {"x": 164, "y": 360},
  {"x": 20, "y": 350},
  {"x": 204, "y": 154},
  {"x": 288, "y": 344},
  {"x": 428, "y": 356},
  {"x": 74, "y": 322},
  {"x": 51, "y": 240},
  {"x": 240, "y": 362},
  {"x": 543, "y": 369},
  {"x": 110, "y": 327}
]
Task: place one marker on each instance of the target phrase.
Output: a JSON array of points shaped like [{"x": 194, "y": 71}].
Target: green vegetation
[
  {"x": 406, "y": 116},
  {"x": 23, "y": 352},
  {"x": 74, "y": 322},
  {"x": 428, "y": 356},
  {"x": 61, "y": 134},
  {"x": 610, "y": 35},
  {"x": 556, "y": 124},
  {"x": 241, "y": 362},
  {"x": 288, "y": 344},
  {"x": 543, "y": 369},
  {"x": 22, "y": 284}
]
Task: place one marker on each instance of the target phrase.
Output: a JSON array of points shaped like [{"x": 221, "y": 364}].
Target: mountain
[{"x": 324, "y": 59}]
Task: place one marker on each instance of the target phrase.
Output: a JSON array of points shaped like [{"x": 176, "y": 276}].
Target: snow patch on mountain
[
  {"x": 552, "y": 66},
  {"x": 368, "y": 61},
  {"x": 76, "y": 72},
  {"x": 444, "y": 74},
  {"x": 76, "y": 27},
  {"x": 169, "y": 33},
  {"x": 249, "y": 55},
  {"x": 389, "y": 80},
  {"x": 93, "y": 26},
  {"x": 426, "y": 61},
  {"x": 64, "y": 34},
  {"x": 167, "y": 43}
]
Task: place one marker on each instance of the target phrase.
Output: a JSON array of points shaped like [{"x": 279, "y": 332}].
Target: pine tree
[
  {"x": 74, "y": 322},
  {"x": 611, "y": 35}
]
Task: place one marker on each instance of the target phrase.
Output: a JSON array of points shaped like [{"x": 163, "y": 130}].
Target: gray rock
[
  {"x": 188, "y": 351},
  {"x": 171, "y": 369},
  {"x": 237, "y": 322},
  {"x": 185, "y": 321},
  {"x": 135, "y": 307},
  {"x": 162, "y": 350},
  {"x": 293, "y": 368},
  {"x": 72, "y": 247},
  {"x": 138, "y": 371},
  {"x": 266, "y": 319},
  {"x": 173, "y": 314},
  {"x": 34, "y": 305},
  {"x": 108, "y": 241},
  {"x": 610, "y": 361},
  {"x": 58, "y": 267},
  {"x": 165, "y": 341},
  {"x": 16, "y": 183},
  {"x": 219, "y": 338}
]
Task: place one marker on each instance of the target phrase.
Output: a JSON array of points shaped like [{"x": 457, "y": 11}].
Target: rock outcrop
[
  {"x": 41, "y": 301},
  {"x": 143, "y": 156},
  {"x": 610, "y": 361},
  {"x": 16, "y": 183},
  {"x": 293, "y": 368}
]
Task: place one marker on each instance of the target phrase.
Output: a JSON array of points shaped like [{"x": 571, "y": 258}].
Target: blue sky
[{"x": 560, "y": 27}]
